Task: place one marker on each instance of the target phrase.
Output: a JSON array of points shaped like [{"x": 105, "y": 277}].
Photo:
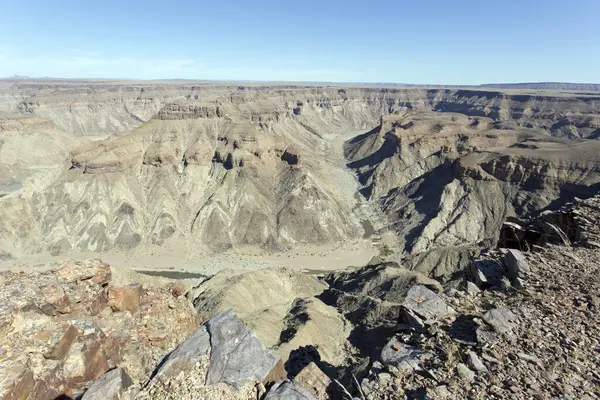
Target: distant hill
[
  {"x": 17, "y": 77},
  {"x": 544, "y": 86}
]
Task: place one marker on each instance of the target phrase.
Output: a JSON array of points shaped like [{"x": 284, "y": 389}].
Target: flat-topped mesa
[
  {"x": 175, "y": 111},
  {"x": 26, "y": 123}
]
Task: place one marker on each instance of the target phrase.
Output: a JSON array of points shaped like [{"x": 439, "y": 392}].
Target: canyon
[
  {"x": 205, "y": 168},
  {"x": 377, "y": 242}
]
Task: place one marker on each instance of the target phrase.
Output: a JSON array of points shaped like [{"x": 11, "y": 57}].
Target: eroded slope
[
  {"x": 212, "y": 166},
  {"x": 451, "y": 180}
]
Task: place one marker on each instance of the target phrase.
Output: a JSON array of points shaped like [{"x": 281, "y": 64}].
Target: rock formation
[
  {"x": 212, "y": 167},
  {"x": 59, "y": 330},
  {"x": 452, "y": 180}
]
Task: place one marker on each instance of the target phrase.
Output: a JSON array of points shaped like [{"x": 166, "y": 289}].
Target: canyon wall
[{"x": 211, "y": 167}]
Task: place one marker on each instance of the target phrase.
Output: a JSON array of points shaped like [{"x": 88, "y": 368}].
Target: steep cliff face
[{"x": 451, "y": 180}]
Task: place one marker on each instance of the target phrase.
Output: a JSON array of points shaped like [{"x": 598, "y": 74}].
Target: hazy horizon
[{"x": 22, "y": 77}]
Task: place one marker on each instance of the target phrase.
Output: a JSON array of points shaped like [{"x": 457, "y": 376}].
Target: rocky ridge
[{"x": 64, "y": 327}]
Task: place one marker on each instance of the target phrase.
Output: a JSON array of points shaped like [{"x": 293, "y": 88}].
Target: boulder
[
  {"x": 497, "y": 321},
  {"x": 55, "y": 295},
  {"x": 18, "y": 382},
  {"x": 465, "y": 372},
  {"x": 185, "y": 356},
  {"x": 472, "y": 288},
  {"x": 516, "y": 264},
  {"x": 84, "y": 362},
  {"x": 426, "y": 303},
  {"x": 412, "y": 319},
  {"x": 475, "y": 362},
  {"x": 60, "y": 350},
  {"x": 312, "y": 379},
  {"x": 501, "y": 319},
  {"x": 237, "y": 355},
  {"x": 97, "y": 304},
  {"x": 402, "y": 356},
  {"x": 95, "y": 270},
  {"x": 101, "y": 274},
  {"x": 126, "y": 298},
  {"x": 286, "y": 390},
  {"x": 110, "y": 386},
  {"x": 486, "y": 273}
]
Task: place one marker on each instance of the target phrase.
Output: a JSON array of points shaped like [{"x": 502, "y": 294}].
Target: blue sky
[{"x": 436, "y": 42}]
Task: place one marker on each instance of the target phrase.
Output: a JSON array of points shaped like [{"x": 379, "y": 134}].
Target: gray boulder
[
  {"x": 402, "y": 356},
  {"x": 109, "y": 387},
  {"x": 472, "y": 289},
  {"x": 487, "y": 273},
  {"x": 501, "y": 319},
  {"x": 426, "y": 303},
  {"x": 475, "y": 362},
  {"x": 412, "y": 319},
  {"x": 286, "y": 390},
  {"x": 498, "y": 321},
  {"x": 516, "y": 264},
  {"x": 238, "y": 357},
  {"x": 465, "y": 372},
  {"x": 185, "y": 356}
]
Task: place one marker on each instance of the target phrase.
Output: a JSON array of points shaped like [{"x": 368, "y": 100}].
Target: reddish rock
[
  {"x": 314, "y": 380},
  {"x": 126, "y": 298},
  {"x": 55, "y": 295},
  {"x": 64, "y": 344},
  {"x": 19, "y": 383},
  {"x": 102, "y": 274},
  {"x": 97, "y": 304},
  {"x": 177, "y": 290},
  {"x": 73, "y": 271},
  {"x": 96, "y": 270},
  {"x": 85, "y": 362}
]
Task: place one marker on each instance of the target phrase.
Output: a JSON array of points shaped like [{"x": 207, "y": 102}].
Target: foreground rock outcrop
[
  {"x": 532, "y": 332},
  {"x": 280, "y": 305},
  {"x": 59, "y": 330}
]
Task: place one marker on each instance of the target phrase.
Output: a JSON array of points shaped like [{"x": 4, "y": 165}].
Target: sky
[{"x": 417, "y": 42}]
